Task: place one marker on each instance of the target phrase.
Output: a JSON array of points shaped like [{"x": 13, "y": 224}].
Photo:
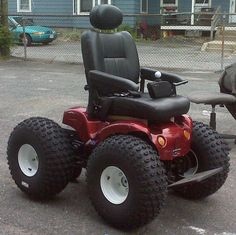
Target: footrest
[
  {"x": 196, "y": 178},
  {"x": 214, "y": 98}
]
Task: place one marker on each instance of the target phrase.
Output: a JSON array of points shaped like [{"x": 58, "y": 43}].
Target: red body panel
[{"x": 94, "y": 131}]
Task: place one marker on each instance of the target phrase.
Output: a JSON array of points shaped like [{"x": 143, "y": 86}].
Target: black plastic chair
[{"x": 225, "y": 97}]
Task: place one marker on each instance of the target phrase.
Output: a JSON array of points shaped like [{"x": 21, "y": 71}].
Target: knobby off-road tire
[
  {"x": 143, "y": 173},
  {"x": 212, "y": 152},
  {"x": 45, "y": 142}
]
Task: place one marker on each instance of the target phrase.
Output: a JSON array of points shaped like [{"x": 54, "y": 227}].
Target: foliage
[
  {"x": 6, "y": 41},
  {"x": 125, "y": 27},
  {"x": 70, "y": 36}
]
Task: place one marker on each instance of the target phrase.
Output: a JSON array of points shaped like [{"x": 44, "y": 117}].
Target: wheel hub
[
  {"x": 28, "y": 160},
  {"x": 114, "y": 185},
  {"x": 183, "y": 167}
]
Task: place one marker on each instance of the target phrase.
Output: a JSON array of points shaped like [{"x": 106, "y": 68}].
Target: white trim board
[
  {"x": 18, "y": 7},
  {"x": 186, "y": 27}
]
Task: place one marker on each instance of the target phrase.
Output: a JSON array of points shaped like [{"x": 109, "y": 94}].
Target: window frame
[
  {"x": 23, "y": 10},
  {"x": 168, "y": 4},
  {"x": 141, "y": 7},
  {"x": 99, "y": 2}
]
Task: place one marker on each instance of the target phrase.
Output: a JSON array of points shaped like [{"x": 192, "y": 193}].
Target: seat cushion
[
  {"x": 214, "y": 98},
  {"x": 151, "y": 109}
]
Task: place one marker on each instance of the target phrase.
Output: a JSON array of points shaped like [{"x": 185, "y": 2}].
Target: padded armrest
[
  {"x": 149, "y": 74},
  {"x": 108, "y": 83}
]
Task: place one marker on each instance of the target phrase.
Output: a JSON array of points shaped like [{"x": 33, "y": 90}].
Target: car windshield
[
  {"x": 12, "y": 22},
  {"x": 27, "y": 22}
]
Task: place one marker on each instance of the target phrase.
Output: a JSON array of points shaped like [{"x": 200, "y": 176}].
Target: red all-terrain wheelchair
[{"x": 134, "y": 145}]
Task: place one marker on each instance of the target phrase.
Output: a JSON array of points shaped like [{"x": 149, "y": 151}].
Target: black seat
[
  {"x": 225, "y": 97},
  {"x": 112, "y": 71},
  {"x": 147, "y": 108}
]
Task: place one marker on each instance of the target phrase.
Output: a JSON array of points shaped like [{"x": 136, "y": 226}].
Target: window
[
  {"x": 23, "y": 5},
  {"x": 169, "y": 2},
  {"x": 144, "y": 6},
  {"x": 199, "y": 4},
  {"x": 83, "y": 6},
  {"x": 104, "y": 2},
  {"x": 86, "y": 5},
  {"x": 75, "y": 7},
  {"x": 202, "y": 2}
]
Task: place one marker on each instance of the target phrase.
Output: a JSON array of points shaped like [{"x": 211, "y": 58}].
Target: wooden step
[{"x": 214, "y": 46}]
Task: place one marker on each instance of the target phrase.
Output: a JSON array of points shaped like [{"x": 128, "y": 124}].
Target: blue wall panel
[
  {"x": 223, "y": 3},
  {"x": 185, "y": 6},
  {"x": 65, "y": 7}
]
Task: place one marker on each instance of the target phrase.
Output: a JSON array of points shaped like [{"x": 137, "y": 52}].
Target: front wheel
[
  {"x": 126, "y": 181},
  {"x": 208, "y": 151},
  {"x": 26, "y": 39},
  {"x": 40, "y": 157}
]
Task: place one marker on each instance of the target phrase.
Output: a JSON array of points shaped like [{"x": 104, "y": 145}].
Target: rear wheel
[
  {"x": 209, "y": 151},
  {"x": 40, "y": 157},
  {"x": 126, "y": 181}
]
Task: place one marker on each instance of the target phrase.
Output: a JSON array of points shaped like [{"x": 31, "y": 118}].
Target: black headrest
[{"x": 106, "y": 17}]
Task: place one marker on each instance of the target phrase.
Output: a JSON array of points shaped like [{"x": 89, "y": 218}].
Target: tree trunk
[{"x": 4, "y": 50}]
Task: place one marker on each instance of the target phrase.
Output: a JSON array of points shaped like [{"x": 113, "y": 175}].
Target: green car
[{"x": 33, "y": 33}]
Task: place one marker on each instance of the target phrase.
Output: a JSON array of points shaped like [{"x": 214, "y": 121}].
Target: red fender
[
  {"x": 123, "y": 127},
  {"x": 88, "y": 129},
  {"x": 175, "y": 135}
]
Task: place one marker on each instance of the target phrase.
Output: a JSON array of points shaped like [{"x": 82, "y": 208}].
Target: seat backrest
[
  {"x": 227, "y": 81},
  {"x": 227, "y": 85},
  {"x": 113, "y": 53}
]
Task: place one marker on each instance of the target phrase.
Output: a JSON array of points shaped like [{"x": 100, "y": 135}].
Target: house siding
[
  {"x": 12, "y": 7},
  {"x": 186, "y": 5},
  {"x": 49, "y": 7},
  {"x": 223, "y": 3},
  {"x": 153, "y": 8},
  {"x": 128, "y": 7},
  {"x": 65, "y": 7},
  {"x": 62, "y": 7}
]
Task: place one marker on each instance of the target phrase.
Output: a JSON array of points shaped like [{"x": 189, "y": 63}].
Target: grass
[
  {"x": 172, "y": 42},
  {"x": 69, "y": 36}
]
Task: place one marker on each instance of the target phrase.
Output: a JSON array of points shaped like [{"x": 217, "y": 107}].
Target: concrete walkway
[{"x": 43, "y": 89}]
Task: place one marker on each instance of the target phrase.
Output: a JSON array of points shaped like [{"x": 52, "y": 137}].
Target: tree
[{"x": 5, "y": 36}]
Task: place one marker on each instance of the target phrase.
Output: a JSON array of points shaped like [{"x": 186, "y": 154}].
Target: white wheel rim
[
  {"x": 28, "y": 160},
  {"x": 114, "y": 185}
]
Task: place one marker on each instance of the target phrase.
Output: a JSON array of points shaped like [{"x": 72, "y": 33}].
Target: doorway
[{"x": 197, "y": 6}]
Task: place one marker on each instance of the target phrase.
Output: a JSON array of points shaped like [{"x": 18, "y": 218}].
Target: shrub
[
  {"x": 125, "y": 27},
  {"x": 6, "y": 41}
]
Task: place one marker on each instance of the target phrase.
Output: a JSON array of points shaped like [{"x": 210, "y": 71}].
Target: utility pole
[{"x": 4, "y": 49}]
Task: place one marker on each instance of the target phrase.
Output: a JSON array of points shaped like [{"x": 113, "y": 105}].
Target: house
[
  {"x": 68, "y": 13},
  {"x": 194, "y": 14},
  {"x": 74, "y": 13}
]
